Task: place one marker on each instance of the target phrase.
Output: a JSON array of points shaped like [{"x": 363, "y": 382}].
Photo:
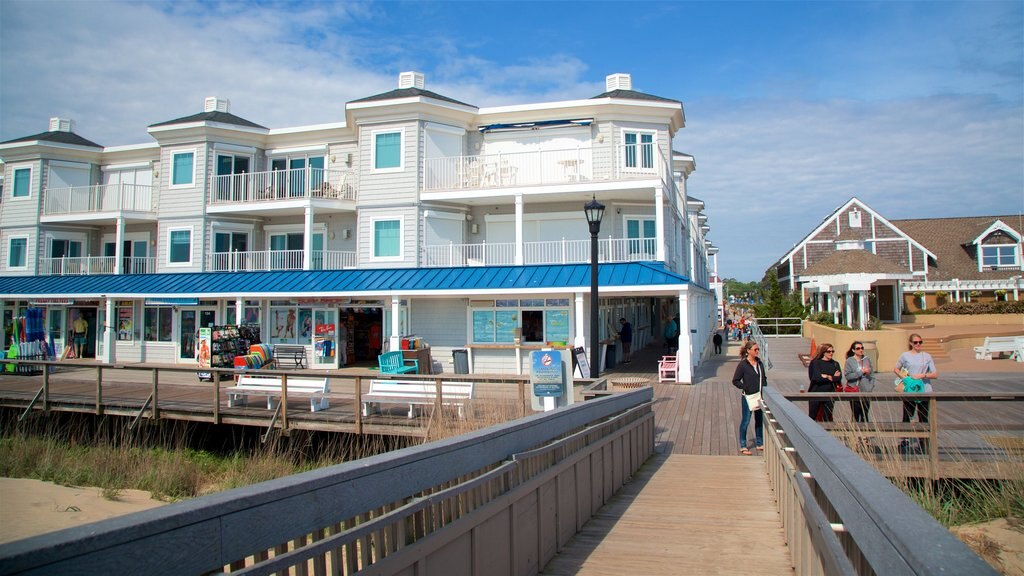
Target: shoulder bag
[{"x": 754, "y": 400}]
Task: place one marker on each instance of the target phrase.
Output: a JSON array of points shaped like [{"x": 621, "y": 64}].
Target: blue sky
[{"x": 917, "y": 108}]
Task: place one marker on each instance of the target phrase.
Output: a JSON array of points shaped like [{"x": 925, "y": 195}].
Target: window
[
  {"x": 641, "y": 237},
  {"x": 17, "y": 253},
  {"x": 999, "y": 256},
  {"x": 387, "y": 151},
  {"x": 182, "y": 168},
  {"x": 179, "y": 246},
  {"x": 533, "y": 321},
  {"x": 22, "y": 178},
  {"x": 387, "y": 239},
  {"x": 157, "y": 323},
  {"x": 126, "y": 321},
  {"x": 639, "y": 150}
]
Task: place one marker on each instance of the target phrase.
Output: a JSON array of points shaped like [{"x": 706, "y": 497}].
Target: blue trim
[{"x": 292, "y": 284}]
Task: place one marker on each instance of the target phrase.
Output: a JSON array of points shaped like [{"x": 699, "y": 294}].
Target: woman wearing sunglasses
[
  {"x": 919, "y": 365},
  {"x": 860, "y": 373},
  {"x": 750, "y": 378},
  {"x": 826, "y": 376}
]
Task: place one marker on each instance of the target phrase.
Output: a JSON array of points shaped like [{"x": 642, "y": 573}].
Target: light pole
[{"x": 594, "y": 211}]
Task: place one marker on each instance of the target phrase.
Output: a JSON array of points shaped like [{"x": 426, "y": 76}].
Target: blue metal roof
[{"x": 638, "y": 276}]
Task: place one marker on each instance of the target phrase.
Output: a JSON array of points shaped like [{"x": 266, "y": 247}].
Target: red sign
[{"x": 325, "y": 328}]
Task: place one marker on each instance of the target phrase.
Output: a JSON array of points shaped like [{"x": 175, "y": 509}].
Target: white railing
[
  {"x": 87, "y": 265},
  {"x": 98, "y": 198},
  {"x": 279, "y": 260},
  {"x": 275, "y": 185},
  {"x": 544, "y": 167},
  {"x": 553, "y": 252}
]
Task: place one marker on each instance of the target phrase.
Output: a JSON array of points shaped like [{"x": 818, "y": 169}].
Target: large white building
[{"x": 416, "y": 214}]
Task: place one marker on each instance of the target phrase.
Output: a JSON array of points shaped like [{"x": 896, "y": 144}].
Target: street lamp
[{"x": 594, "y": 211}]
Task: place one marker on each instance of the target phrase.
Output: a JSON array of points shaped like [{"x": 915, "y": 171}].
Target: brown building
[{"x": 857, "y": 263}]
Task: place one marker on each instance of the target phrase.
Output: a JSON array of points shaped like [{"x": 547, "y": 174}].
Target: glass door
[
  {"x": 641, "y": 236},
  {"x": 325, "y": 342},
  {"x": 187, "y": 334}
]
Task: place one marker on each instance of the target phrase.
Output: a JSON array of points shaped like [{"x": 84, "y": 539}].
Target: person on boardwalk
[
  {"x": 920, "y": 365},
  {"x": 626, "y": 335},
  {"x": 859, "y": 373},
  {"x": 826, "y": 376},
  {"x": 671, "y": 334},
  {"x": 80, "y": 328},
  {"x": 750, "y": 377},
  {"x": 717, "y": 339}
]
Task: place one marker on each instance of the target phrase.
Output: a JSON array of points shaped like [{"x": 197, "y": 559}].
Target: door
[
  {"x": 640, "y": 239},
  {"x": 325, "y": 338},
  {"x": 56, "y": 330},
  {"x": 189, "y": 322},
  {"x": 229, "y": 250},
  {"x": 231, "y": 181},
  {"x": 89, "y": 315},
  {"x": 885, "y": 303}
]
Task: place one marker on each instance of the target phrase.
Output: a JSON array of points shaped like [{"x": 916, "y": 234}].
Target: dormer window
[
  {"x": 854, "y": 218},
  {"x": 998, "y": 247},
  {"x": 999, "y": 256}
]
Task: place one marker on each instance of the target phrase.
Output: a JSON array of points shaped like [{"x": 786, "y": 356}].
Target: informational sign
[
  {"x": 546, "y": 373},
  {"x": 203, "y": 352},
  {"x": 580, "y": 356}
]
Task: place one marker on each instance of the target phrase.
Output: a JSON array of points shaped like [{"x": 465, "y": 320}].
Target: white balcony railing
[
  {"x": 274, "y": 185},
  {"x": 279, "y": 260},
  {"x": 86, "y": 265},
  {"x": 543, "y": 167},
  {"x": 98, "y": 198},
  {"x": 553, "y": 252}
]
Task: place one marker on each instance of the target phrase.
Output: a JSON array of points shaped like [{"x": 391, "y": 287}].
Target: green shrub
[{"x": 969, "y": 308}]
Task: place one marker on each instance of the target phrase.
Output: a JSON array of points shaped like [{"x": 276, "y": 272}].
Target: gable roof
[
  {"x": 952, "y": 240},
  {"x": 853, "y": 262},
  {"x": 57, "y": 136},
  {"x": 214, "y": 116},
  {"x": 408, "y": 93},
  {"x": 633, "y": 95},
  {"x": 623, "y": 277}
]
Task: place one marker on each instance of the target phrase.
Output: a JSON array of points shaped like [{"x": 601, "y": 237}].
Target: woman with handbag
[
  {"x": 751, "y": 379},
  {"x": 920, "y": 366},
  {"x": 860, "y": 377},
  {"x": 826, "y": 376}
]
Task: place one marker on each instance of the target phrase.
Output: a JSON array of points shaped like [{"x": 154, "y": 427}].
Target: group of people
[{"x": 856, "y": 374}]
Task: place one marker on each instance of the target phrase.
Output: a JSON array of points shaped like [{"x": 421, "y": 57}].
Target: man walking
[
  {"x": 718, "y": 342},
  {"x": 626, "y": 335}
]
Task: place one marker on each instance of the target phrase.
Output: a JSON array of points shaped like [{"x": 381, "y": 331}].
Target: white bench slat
[
  {"x": 270, "y": 386},
  {"x": 416, "y": 392},
  {"x": 1013, "y": 345}
]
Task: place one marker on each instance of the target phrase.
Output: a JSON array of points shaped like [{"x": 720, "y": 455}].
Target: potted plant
[
  {"x": 940, "y": 296},
  {"x": 1001, "y": 294},
  {"x": 920, "y": 296}
]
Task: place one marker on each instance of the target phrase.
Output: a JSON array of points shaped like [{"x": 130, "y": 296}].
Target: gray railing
[
  {"x": 498, "y": 488},
  {"x": 840, "y": 516},
  {"x": 781, "y": 327},
  {"x": 762, "y": 342}
]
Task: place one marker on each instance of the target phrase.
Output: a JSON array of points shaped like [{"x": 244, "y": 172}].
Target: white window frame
[
  {"x": 191, "y": 246},
  {"x": 401, "y": 150},
  {"x": 14, "y": 180},
  {"x": 10, "y": 240},
  {"x": 639, "y": 158},
  {"x": 170, "y": 176},
  {"x": 67, "y": 237},
  {"x": 373, "y": 240},
  {"x": 1016, "y": 257}
]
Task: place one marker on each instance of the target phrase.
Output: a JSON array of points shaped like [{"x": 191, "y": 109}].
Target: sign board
[
  {"x": 546, "y": 373},
  {"x": 203, "y": 352},
  {"x": 579, "y": 355}
]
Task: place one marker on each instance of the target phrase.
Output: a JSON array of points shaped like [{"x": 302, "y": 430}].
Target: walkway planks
[{"x": 683, "y": 514}]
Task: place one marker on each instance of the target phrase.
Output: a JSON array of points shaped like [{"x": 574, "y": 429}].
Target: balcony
[
  {"x": 282, "y": 185},
  {"x": 101, "y": 198},
  {"x": 545, "y": 167},
  {"x": 278, "y": 260},
  {"x": 89, "y": 265},
  {"x": 555, "y": 252}
]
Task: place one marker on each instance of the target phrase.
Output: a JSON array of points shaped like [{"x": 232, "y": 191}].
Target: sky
[{"x": 916, "y": 108}]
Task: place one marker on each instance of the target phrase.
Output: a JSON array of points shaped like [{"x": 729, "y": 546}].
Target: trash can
[
  {"x": 461, "y": 359},
  {"x": 609, "y": 361}
]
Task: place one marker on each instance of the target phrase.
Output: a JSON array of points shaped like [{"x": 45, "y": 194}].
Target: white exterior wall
[
  {"x": 442, "y": 324},
  {"x": 22, "y": 211},
  {"x": 389, "y": 186},
  {"x": 184, "y": 201}
]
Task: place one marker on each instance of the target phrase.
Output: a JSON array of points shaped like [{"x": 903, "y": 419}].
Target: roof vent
[
  {"x": 62, "y": 124},
  {"x": 618, "y": 82},
  {"x": 410, "y": 80},
  {"x": 214, "y": 104}
]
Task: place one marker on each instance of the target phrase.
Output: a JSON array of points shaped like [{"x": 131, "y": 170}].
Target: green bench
[{"x": 396, "y": 363}]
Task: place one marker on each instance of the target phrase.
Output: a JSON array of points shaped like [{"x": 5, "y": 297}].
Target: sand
[{"x": 33, "y": 507}]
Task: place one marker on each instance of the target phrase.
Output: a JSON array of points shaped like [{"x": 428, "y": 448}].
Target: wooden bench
[
  {"x": 270, "y": 386},
  {"x": 999, "y": 345},
  {"x": 291, "y": 352},
  {"x": 415, "y": 392},
  {"x": 395, "y": 363}
]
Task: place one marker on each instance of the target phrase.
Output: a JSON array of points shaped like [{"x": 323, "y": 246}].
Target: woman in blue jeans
[{"x": 750, "y": 378}]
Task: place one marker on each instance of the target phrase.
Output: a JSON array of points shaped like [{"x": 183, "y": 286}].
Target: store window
[
  {"x": 157, "y": 323},
  {"x": 126, "y": 321},
  {"x": 533, "y": 321}
]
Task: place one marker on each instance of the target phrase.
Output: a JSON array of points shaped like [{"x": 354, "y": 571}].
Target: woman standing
[
  {"x": 919, "y": 365},
  {"x": 860, "y": 373},
  {"x": 825, "y": 375},
  {"x": 750, "y": 378}
]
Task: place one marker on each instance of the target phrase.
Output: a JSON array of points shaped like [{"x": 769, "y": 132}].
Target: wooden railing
[
  {"x": 498, "y": 501},
  {"x": 840, "y": 516}
]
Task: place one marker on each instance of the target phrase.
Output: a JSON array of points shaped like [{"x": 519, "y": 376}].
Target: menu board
[
  {"x": 506, "y": 322},
  {"x": 483, "y": 326},
  {"x": 557, "y": 329},
  {"x": 580, "y": 355}
]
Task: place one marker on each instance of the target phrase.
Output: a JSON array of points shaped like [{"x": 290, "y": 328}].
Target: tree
[{"x": 774, "y": 303}]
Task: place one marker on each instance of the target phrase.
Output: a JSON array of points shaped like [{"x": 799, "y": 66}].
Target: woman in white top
[{"x": 919, "y": 365}]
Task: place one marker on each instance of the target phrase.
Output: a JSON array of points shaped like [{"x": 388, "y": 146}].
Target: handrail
[
  {"x": 762, "y": 343},
  {"x": 880, "y": 529}
]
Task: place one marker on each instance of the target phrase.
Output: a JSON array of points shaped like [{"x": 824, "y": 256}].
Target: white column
[
  {"x": 519, "y": 229},
  {"x": 659, "y": 223},
  {"x": 833, "y": 307},
  {"x": 307, "y": 240},
  {"x": 239, "y": 311},
  {"x": 579, "y": 338},
  {"x": 394, "y": 343},
  {"x": 684, "y": 354},
  {"x": 863, "y": 305},
  {"x": 119, "y": 246},
  {"x": 107, "y": 332},
  {"x": 848, "y": 307}
]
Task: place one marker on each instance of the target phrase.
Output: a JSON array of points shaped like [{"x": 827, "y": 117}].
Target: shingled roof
[
  {"x": 633, "y": 95},
  {"x": 950, "y": 239},
  {"x": 408, "y": 93},
  {"x": 853, "y": 262},
  {"x": 214, "y": 116},
  {"x": 58, "y": 136}
]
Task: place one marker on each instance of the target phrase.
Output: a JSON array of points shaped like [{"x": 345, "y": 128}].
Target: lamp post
[{"x": 594, "y": 211}]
